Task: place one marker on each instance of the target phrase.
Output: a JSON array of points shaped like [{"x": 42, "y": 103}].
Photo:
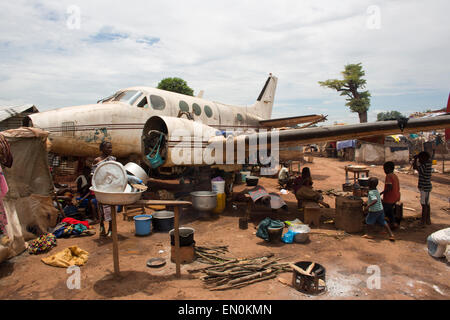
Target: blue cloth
[
  {"x": 345, "y": 144},
  {"x": 374, "y": 217},
  {"x": 70, "y": 210}
]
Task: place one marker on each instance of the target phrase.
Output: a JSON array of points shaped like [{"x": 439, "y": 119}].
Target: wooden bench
[{"x": 132, "y": 210}]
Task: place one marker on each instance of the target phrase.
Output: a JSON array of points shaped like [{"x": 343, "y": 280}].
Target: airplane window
[
  {"x": 143, "y": 103},
  {"x": 184, "y": 106},
  {"x": 128, "y": 96},
  {"x": 239, "y": 117},
  {"x": 197, "y": 109},
  {"x": 208, "y": 111},
  {"x": 157, "y": 102}
]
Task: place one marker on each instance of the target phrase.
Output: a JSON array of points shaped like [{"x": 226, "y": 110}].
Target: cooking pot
[
  {"x": 252, "y": 180},
  {"x": 363, "y": 182},
  {"x": 186, "y": 236},
  {"x": 204, "y": 200},
  {"x": 163, "y": 220}
]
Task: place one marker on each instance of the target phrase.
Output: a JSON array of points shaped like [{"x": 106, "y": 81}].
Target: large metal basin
[
  {"x": 137, "y": 171},
  {"x": 204, "y": 200},
  {"x": 117, "y": 198}
]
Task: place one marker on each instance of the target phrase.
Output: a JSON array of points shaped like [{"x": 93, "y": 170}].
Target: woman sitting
[{"x": 304, "y": 191}]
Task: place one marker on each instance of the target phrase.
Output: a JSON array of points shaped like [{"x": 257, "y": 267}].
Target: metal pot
[
  {"x": 204, "y": 200},
  {"x": 363, "y": 182},
  {"x": 301, "y": 233},
  {"x": 186, "y": 236},
  {"x": 136, "y": 171},
  {"x": 252, "y": 180},
  {"x": 163, "y": 220}
]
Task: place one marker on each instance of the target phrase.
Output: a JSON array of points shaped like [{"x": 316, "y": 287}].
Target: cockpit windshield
[{"x": 129, "y": 96}]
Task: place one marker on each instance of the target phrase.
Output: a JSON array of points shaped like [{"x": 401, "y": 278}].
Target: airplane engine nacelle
[{"x": 179, "y": 141}]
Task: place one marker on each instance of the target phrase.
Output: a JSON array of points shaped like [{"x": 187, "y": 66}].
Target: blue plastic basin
[{"x": 143, "y": 224}]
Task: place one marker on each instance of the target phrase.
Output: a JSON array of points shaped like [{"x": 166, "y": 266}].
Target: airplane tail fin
[{"x": 263, "y": 105}]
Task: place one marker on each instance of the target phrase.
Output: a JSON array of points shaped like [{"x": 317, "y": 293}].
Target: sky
[{"x": 63, "y": 53}]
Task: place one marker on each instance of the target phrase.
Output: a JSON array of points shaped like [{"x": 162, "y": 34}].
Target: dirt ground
[{"x": 407, "y": 270}]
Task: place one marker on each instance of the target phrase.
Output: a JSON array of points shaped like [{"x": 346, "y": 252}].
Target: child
[
  {"x": 375, "y": 209},
  {"x": 391, "y": 194},
  {"x": 424, "y": 184}
]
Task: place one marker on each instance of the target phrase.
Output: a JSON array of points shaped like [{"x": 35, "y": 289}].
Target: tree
[
  {"x": 357, "y": 101},
  {"x": 175, "y": 85},
  {"x": 389, "y": 115}
]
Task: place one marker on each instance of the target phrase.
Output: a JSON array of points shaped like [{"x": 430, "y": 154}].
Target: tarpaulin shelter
[{"x": 28, "y": 203}]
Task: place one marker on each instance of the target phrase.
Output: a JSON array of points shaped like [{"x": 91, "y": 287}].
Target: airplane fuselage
[{"x": 78, "y": 130}]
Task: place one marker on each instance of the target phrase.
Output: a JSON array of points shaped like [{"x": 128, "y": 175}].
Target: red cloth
[
  {"x": 75, "y": 221},
  {"x": 394, "y": 195}
]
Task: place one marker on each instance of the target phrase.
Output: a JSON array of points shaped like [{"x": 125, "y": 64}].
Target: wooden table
[
  {"x": 173, "y": 203},
  {"x": 356, "y": 172}
]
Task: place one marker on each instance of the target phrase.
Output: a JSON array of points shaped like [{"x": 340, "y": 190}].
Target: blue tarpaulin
[{"x": 345, "y": 144}]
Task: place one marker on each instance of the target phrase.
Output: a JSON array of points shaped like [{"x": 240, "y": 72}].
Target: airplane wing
[
  {"x": 292, "y": 121},
  {"x": 296, "y": 137}
]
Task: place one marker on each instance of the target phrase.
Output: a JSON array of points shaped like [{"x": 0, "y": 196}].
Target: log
[
  {"x": 298, "y": 269},
  {"x": 214, "y": 266},
  {"x": 243, "y": 284},
  {"x": 252, "y": 276},
  {"x": 311, "y": 266}
]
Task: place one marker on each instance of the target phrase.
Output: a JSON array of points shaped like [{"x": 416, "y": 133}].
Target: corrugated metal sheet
[{"x": 11, "y": 111}]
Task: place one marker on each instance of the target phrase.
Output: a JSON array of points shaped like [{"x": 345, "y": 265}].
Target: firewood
[
  {"x": 311, "y": 266},
  {"x": 252, "y": 276},
  {"x": 298, "y": 269},
  {"x": 243, "y": 284}
]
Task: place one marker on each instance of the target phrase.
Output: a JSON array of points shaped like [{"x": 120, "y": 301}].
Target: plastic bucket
[
  {"x": 143, "y": 224},
  {"x": 244, "y": 175},
  {"x": 221, "y": 203},
  {"x": 218, "y": 186},
  {"x": 275, "y": 234}
]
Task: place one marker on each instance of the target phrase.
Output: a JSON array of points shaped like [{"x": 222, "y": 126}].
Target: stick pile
[{"x": 228, "y": 273}]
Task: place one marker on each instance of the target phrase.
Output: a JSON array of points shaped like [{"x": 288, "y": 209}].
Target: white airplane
[{"x": 137, "y": 120}]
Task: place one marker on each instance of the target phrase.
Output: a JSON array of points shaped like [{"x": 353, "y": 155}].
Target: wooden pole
[
  {"x": 177, "y": 241},
  {"x": 115, "y": 244}
]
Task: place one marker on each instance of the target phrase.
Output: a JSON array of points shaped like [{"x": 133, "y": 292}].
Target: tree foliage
[
  {"x": 389, "y": 115},
  {"x": 177, "y": 85},
  {"x": 357, "y": 101}
]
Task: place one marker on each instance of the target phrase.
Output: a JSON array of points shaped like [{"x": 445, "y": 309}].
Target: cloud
[{"x": 227, "y": 49}]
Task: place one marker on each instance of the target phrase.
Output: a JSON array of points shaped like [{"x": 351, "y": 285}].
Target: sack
[{"x": 441, "y": 237}]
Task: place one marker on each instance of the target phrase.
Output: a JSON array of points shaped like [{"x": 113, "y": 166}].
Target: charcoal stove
[{"x": 314, "y": 284}]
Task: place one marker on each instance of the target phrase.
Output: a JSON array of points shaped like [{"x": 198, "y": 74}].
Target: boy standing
[
  {"x": 375, "y": 209},
  {"x": 391, "y": 193},
  {"x": 424, "y": 168}
]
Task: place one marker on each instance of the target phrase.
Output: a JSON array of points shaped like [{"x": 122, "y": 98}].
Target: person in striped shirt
[
  {"x": 424, "y": 185},
  {"x": 375, "y": 210}
]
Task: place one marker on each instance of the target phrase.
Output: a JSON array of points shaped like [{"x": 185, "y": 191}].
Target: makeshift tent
[{"x": 28, "y": 203}]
